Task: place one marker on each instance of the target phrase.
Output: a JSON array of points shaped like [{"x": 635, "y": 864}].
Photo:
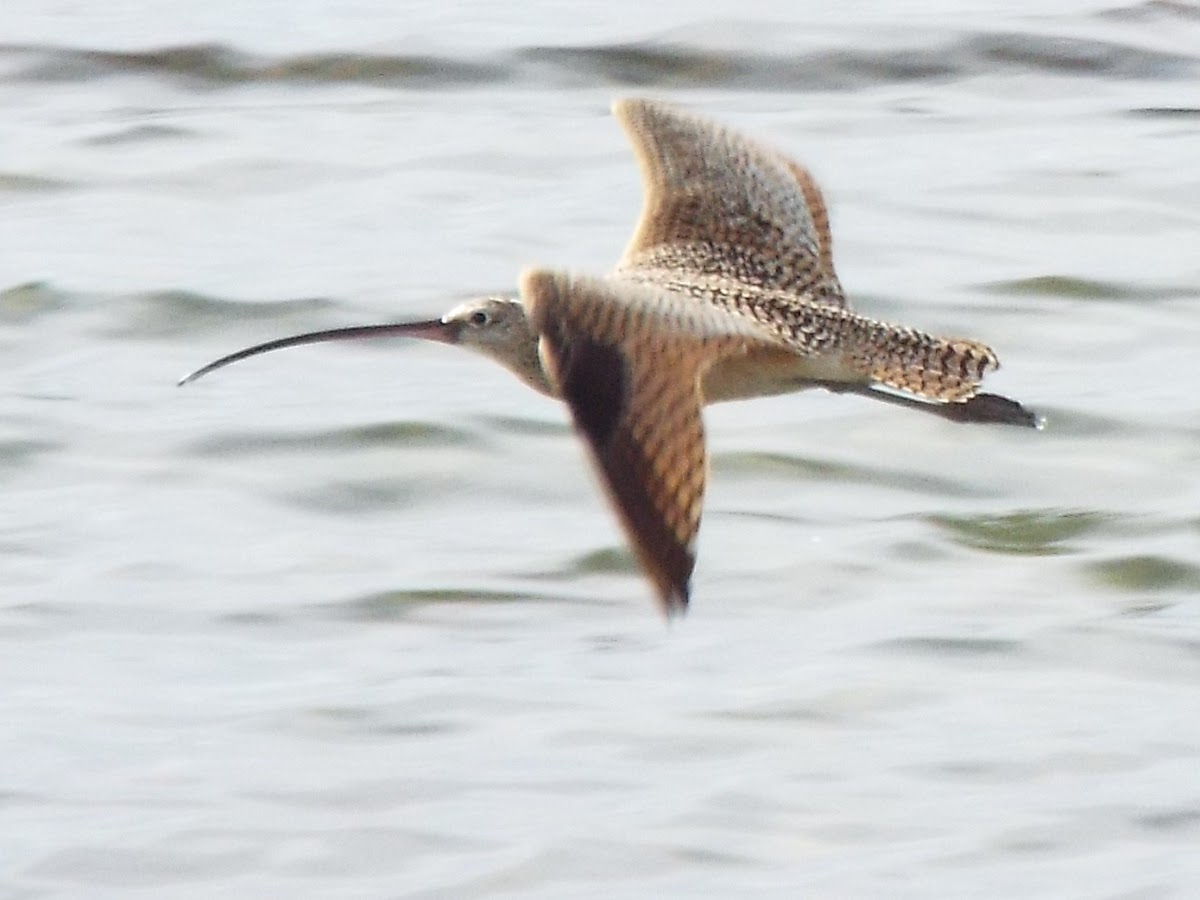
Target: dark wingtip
[
  {"x": 675, "y": 602},
  {"x": 993, "y": 408}
]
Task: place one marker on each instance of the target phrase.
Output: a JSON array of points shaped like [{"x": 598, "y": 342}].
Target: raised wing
[
  {"x": 717, "y": 203},
  {"x": 628, "y": 360}
]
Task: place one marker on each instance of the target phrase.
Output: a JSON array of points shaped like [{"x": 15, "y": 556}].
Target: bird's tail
[{"x": 943, "y": 369}]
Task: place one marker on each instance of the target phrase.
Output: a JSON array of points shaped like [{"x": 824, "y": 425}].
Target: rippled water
[{"x": 354, "y": 621}]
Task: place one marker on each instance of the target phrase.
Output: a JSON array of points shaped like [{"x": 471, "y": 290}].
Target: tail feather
[{"x": 944, "y": 369}]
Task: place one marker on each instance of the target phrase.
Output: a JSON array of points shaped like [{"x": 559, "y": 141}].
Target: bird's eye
[{"x": 479, "y": 318}]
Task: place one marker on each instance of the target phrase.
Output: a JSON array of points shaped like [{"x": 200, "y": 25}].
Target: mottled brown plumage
[
  {"x": 718, "y": 205},
  {"x": 736, "y": 225},
  {"x": 629, "y": 361},
  {"x": 727, "y": 290}
]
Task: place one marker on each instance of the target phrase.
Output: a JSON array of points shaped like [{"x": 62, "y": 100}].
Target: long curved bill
[{"x": 432, "y": 330}]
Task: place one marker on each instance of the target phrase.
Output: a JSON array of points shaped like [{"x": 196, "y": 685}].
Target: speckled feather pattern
[
  {"x": 629, "y": 362},
  {"x": 736, "y": 225},
  {"x": 718, "y": 204},
  {"x": 942, "y": 369},
  {"x": 727, "y": 290}
]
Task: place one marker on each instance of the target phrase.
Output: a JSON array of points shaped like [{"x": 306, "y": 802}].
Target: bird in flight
[{"x": 726, "y": 291}]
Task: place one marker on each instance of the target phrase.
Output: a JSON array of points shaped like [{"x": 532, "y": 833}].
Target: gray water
[{"x": 354, "y": 621}]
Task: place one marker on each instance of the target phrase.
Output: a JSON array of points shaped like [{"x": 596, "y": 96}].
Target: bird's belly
[{"x": 765, "y": 373}]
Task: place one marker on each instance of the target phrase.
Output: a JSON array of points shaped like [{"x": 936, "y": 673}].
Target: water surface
[{"x": 354, "y": 621}]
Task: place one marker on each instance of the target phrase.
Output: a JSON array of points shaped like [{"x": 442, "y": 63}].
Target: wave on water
[
  {"x": 397, "y": 605},
  {"x": 1046, "y": 532},
  {"x": 646, "y": 64},
  {"x": 1069, "y": 287},
  {"x": 154, "y": 314},
  {"x": 387, "y": 436},
  {"x": 1155, "y": 11}
]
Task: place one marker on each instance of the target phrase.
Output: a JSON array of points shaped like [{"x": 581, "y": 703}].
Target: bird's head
[{"x": 498, "y": 328}]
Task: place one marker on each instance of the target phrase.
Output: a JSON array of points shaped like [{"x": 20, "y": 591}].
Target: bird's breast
[{"x": 769, "y": 371}]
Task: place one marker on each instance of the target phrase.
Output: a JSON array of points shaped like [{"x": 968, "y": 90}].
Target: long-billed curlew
[{"x": 726, "y": 291}]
